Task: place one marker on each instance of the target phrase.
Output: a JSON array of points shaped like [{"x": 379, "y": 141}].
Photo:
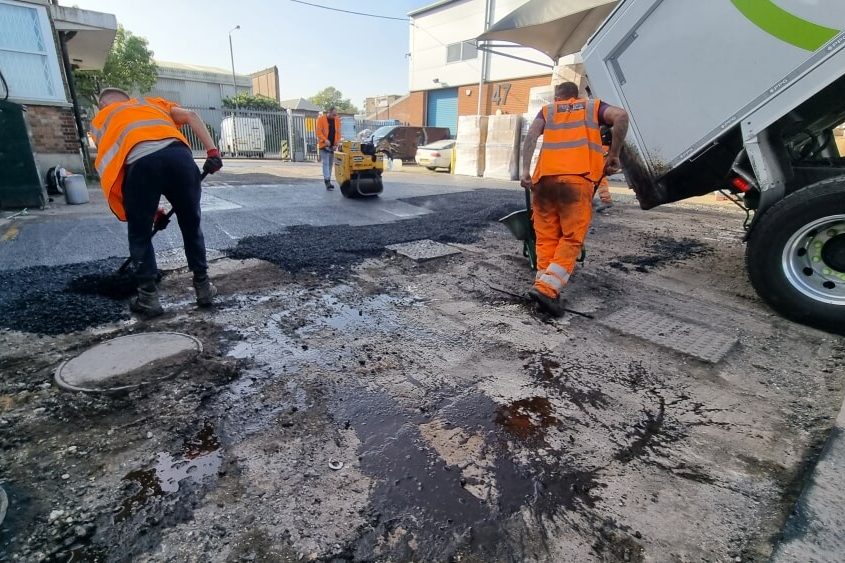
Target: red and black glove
[
  {"x": 213, "y": 163},
  {"x": 161, "y": 219}
]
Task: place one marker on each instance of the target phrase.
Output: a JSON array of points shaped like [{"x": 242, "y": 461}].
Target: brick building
[
  {"x": 31, "y": 60},
  {"x": 379, "y": 104},
  {"x": 446, "y": 66},
  {"x": 266, "y": 83}
]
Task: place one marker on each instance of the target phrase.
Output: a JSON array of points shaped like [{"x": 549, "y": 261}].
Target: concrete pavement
[
  {"x": 816, "y": 529},
  {"x": 250, "y": 198}
]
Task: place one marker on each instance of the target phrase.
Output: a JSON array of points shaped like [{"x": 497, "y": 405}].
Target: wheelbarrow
[{"x": 521, "y": 226}]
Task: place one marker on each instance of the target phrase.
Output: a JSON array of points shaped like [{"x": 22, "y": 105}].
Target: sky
[{"x": 313, "y": 48}]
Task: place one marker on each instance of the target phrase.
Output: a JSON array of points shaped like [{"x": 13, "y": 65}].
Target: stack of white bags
[{"x": 469, "y": 145}]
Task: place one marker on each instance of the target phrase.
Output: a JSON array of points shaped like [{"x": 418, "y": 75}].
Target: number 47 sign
[{"x": 500, "y": 94}]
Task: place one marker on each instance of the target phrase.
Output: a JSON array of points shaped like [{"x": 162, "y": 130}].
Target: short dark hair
[
  {"x": 331, "y": 108},
  {"x": 566, "y": 90}
]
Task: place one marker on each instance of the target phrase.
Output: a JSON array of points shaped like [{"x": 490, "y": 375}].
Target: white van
[{"x": 242, "y": 136}]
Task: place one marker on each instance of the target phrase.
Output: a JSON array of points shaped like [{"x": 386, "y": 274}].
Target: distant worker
[
  {"x": 569, "y": 170},
  {"x": 328, "y": 138},
  {"x": 142, "y": 155}
]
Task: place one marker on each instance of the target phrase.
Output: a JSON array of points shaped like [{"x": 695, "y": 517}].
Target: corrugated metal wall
[{"x": 194, "y": 93}]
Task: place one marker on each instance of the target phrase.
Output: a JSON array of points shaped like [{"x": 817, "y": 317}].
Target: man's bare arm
[
  {"x": 530, "y": 144},
  {"x": 187, "y": 117},
  {"x": 617, "y": 118}
]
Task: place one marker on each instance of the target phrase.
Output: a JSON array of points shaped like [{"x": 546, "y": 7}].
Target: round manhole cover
[
  {"x": 128, "y": 361},
  {"x": 4, "y": 504}
]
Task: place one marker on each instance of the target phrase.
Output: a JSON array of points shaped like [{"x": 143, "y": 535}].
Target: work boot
[
  {"x": 551, "y": 305},
  {"x": 205, "y": 291},
  {"x": 146, "y": 303},
  {"x": 329, "y": 185}
]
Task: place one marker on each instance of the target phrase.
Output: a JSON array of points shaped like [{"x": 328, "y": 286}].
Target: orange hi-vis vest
[
  {"x": 571, "y": 140},
  {"x": 117, "y": 129},
  {"x": 323, "y": 131}
]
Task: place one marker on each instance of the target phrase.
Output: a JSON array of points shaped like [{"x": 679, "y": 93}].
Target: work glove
[
  {"x": 161, "y": 220},
  {"x": 213, "y": 163}
]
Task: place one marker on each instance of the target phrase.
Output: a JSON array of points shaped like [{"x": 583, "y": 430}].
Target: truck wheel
[{"x": 796, "y": 255}]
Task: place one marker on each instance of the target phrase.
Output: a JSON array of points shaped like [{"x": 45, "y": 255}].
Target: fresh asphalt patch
[
  {"x": 60, "y": 299},
  {"x": 332, "y": 250}
]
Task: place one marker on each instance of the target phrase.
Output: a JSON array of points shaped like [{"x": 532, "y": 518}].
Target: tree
[
  {"x": 129, "y": 66},
  {"x": 242, "y": 100},
  {"x": 331, "y": 96}
]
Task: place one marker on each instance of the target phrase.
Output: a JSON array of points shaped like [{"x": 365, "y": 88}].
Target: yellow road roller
[{"x": 358, "y": 169}]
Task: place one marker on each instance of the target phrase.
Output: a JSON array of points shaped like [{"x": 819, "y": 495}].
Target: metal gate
[
  {"x": 264, "y": 134},
  {"x": 256, "y": 134}
]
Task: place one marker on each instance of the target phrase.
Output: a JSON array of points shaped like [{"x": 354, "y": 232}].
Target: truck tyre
[{"x": 796, "y": 255}]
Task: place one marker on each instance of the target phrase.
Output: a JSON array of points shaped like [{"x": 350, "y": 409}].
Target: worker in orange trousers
[{"x": 570, "y": 168}]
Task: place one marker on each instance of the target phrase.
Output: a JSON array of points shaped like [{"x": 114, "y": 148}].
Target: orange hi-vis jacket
[
  {"x": 323, "y": 131},
  {"x": 117, "y": 128},
  {"x": 571, "y": 140}
]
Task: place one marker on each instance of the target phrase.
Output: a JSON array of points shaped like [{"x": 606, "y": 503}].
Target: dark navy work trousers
[{"x": 172, "y": 173}]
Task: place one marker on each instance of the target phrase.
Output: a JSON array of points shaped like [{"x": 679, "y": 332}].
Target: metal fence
[{"x": 267, "y": 134}]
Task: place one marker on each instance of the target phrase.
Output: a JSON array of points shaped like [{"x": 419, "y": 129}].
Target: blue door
[{"x": 442, "y": 109}]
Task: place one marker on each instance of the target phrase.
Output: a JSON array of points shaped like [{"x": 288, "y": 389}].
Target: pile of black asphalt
[
  {"x": 54, "y": 300},
  {"x": 332, "y": 250},
  {"x": 62, "y": 299}
]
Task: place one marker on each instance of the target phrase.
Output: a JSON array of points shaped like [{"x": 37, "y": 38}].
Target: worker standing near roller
[
  {"x": 142, "y": 155},
  {"x": 328, "y": 138},
  {"x": 571, "y": 165}
]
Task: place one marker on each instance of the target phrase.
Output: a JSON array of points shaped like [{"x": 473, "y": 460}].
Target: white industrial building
[
  {"x": 446, "y": 66},
  {"x": 197, "y": 86}
]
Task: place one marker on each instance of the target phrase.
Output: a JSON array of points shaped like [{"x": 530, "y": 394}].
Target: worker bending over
[
  {"x": 570, "y": 167},
  {"x": 328, "y": 138},
  {"x": 142, "y": 155}
]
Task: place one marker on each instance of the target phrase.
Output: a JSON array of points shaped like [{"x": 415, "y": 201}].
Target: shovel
[{"x": 159, "y": 224}]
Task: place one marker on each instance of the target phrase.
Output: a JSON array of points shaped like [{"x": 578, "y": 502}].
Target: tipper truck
[{"x": 742, "y": 96}]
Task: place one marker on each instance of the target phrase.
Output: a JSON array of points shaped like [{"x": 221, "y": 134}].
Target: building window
[
  {"x": 28, "y": 56},
  {"x": 463, "y": 51}
]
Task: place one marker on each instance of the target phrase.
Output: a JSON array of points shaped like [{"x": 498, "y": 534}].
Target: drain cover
[
  {"x": 128, "y": 361},
  {"x": 423, "y": 250},
  {"x": 696, "y": 341}
]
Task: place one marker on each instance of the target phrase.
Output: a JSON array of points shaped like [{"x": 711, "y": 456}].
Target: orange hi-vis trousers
[{"x": 561, "y": 211}]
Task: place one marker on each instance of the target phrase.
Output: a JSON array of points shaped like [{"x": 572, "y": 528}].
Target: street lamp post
[{"x": 234, "y": 96}]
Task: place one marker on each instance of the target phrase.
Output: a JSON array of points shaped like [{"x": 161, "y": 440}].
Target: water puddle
[{"x": 199, "y": 458}]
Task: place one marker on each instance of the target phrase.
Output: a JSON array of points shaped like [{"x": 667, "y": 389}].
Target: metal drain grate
[
  {"x": 692, "y": 340},
  {"x": 423, "y": 250}
]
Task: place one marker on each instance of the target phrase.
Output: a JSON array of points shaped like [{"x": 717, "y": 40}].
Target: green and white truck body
[{"x": 741, "y": 95}]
